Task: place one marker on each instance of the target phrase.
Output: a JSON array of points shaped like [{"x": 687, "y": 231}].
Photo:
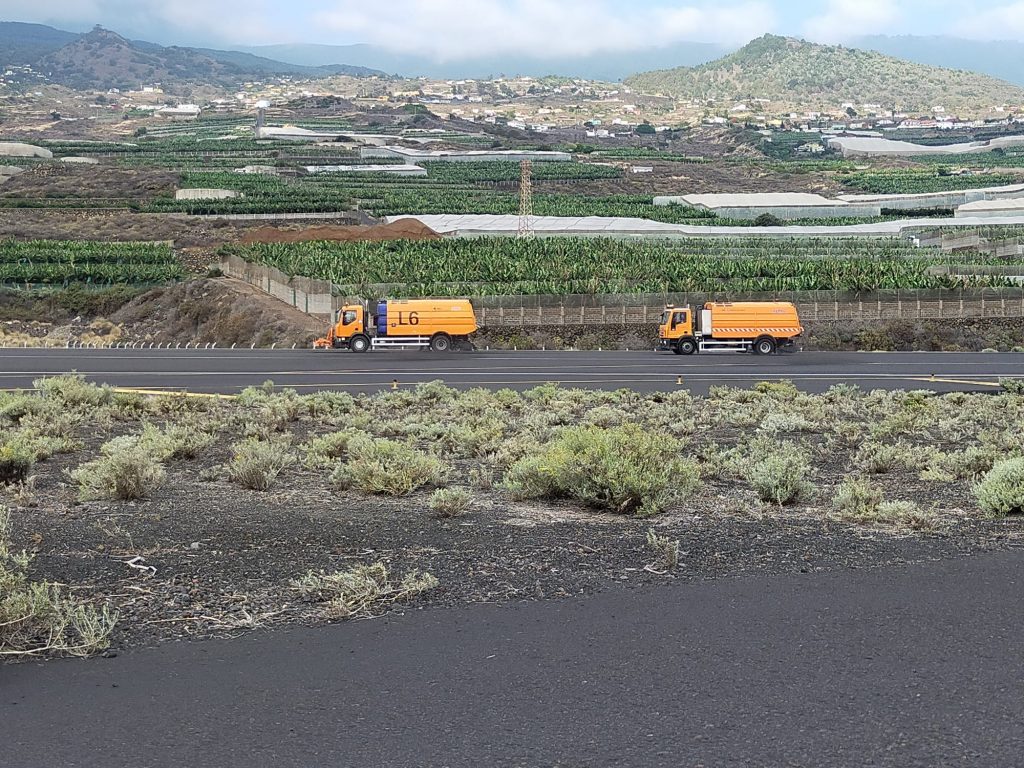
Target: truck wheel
[
  {"x": 765, "y": 346},
  {"x": 442, "y": 342},
  {"x": 359, "y": 343},
  {"x": 685, "y": 347}
]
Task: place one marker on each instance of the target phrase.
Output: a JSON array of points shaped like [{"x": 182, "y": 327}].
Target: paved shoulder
[{"x": 910, "y": 666}]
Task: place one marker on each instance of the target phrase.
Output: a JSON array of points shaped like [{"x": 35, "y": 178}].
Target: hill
[
  {"x": 22, "y": 44},
  {"x": 797, "y": 72},
  {"x": 999, "y": 58},
  {"x": 103, "y": 59}
]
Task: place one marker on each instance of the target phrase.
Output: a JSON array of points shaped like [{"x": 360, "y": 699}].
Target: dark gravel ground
[{"x": 224, "y": 557}]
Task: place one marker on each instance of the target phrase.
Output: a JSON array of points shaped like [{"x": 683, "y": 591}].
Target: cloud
[
  {"x": 1004, "y": 22},
  {"x": 846, "y": 19},
  {"x": 174, "y": 20},
  {"x": 454, "y": 29}
]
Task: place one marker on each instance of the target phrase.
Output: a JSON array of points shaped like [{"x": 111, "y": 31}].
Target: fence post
[{"x": 561, "y": 313}]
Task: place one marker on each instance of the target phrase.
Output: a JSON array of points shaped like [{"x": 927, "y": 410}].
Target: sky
[{"x": 453, "y": 29}]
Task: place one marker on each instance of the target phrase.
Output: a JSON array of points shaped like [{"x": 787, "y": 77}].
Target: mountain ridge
[{"x": 102, "y": 59}]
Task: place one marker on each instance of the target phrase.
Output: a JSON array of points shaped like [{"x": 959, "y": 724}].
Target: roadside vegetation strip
[
  {"x": 559, "y": 266},
  {"x": 898, "y": 462}
]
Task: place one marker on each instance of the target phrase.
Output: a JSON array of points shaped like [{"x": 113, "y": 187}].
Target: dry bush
[
  {"x": 1001, "y": 491},
  {"x": 387, "y": 468},
  {"x": 325, "y": 450},
  {"x": 907, "y": 514},
  {"x": 879, "y": 458},
  {"x": 185, "y": 441},
  {"x": 38, "y": 618},
  {"x": 72, "y": 389},
  {"x": 666, "y": 549},
  {"x": 358, "y": 590},
  {"x": 450, "y": 502},
  {"x": 15, "y": 463},
  {"x": 128, "y": 469},
  {"x": 481, "y": 478},
  {"x": 1013, "y": 386},
  {"x": 256, "y": 464},
  {"x": 857, "y": 500},
  {"x": 778, "y": 472},
  {"x": 624, "y": 469}
]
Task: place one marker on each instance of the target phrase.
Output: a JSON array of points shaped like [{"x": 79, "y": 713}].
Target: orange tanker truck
[
  {"x": 438, "y": 324},
  {"x": 762, "y": 327}
]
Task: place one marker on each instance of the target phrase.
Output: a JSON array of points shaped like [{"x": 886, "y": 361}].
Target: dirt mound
[
  {"x": 403, "y": 229},
  {"x": 219, "y": 310}
]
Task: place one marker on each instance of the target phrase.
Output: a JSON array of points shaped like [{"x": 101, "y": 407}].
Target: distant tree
[
  {"x": 768, "y": 220},
  {"x": 851, "y": 112},
  {"x": 140, "y": 132},
  {"x": 645, "y": 129}
]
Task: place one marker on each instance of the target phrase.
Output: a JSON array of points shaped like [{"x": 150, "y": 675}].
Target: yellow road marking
[
  {"x": 172, "y": 392},
  {"x": 132, "y": 390},
  {"x": 937, "y": 380}
]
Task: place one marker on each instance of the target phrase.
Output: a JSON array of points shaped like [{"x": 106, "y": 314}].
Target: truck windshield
[{"x": 664, "y": 318}]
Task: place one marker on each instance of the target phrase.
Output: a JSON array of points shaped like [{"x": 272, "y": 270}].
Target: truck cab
[
  {"x": 676, "y": 331},
  {"x": 350, "y": 321}
]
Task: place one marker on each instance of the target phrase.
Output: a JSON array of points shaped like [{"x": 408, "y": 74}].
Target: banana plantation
[{"x": 489, "y": 266}]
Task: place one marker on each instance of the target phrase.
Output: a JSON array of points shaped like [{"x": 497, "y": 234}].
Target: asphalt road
[
  {"x": 902, "y": 666},
  {"x": 228, "y": 371}
]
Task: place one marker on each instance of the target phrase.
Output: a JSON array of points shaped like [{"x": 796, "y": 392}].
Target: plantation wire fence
[{"x": 323, "y": 298}]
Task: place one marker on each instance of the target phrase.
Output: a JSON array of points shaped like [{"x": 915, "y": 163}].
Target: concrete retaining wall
[
  {"x": 314, "y": 297},
  {"x": 205, "y": 194},
  {"x": 801, "y": 212}
]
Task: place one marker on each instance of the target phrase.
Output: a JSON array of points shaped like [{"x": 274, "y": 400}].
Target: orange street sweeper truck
[
  {"x": 762, "y": 327},
  {"x": 437, "y": 324}
]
